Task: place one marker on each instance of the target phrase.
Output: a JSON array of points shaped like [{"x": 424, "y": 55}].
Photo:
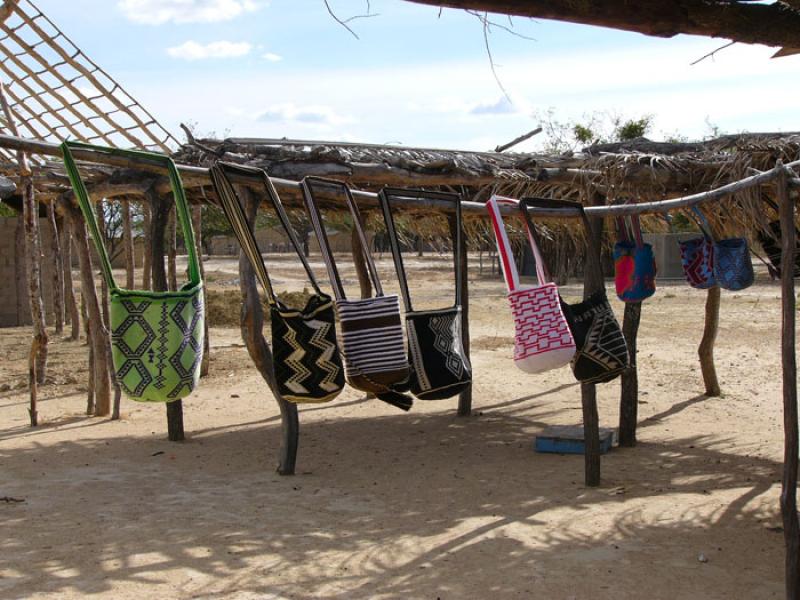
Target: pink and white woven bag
[{"x": 542, "y": 338}]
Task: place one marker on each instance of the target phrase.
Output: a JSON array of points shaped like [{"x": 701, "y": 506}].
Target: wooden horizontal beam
[
  {"x": 776, "y": 24},
  {"x": 200, "y": 176}
]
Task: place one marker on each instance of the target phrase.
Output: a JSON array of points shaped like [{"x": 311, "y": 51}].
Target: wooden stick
[
  {"x": 69, "y": 290},
  {"x": 592, "y": 282},
  {"x": 629, "y": 390},
  {"x": 58, "y": 269},
  {"x": 518, "y": 140},
  {"x": 37, "y": 357},
  {"x": 127, "y": 245},
  {"x": 706, "y": 348},
  {"x": 172, "y": 250},
  {"x": 465, "y": 397},
  {"x": 252, "y": 322},
  {"x": 360, "y": 264},
  {"x": 97, "y": 335},
  {"x": 791, "y": 526},
  {"x": 197, "y": 226},
  {"x": 160, "y": 207}
]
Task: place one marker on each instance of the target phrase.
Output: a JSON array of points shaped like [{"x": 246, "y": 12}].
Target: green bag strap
[{"x": 89, "y": 215}]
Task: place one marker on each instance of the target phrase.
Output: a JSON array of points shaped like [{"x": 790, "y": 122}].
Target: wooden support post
[
  {"x": 58, "y": 269},
  {"x": 197, "y": 226},
  {"x": 706, "y": 349},
  {"x": 252, "y": 321},
  {"x": 629, "y": 391},
  {"x": 19, "y": 269},
  {"x": 791, "y": 527},
  {"x": 101, "y": 225},
  {"x": 592, "y": 282},
  {"x": 91, "y": 369},
  {"x": 160, "y": 207},
  {"x": 97, "y": 336},
  {"x": 147, "y": 257},
  {"x": 465, "y": 397},
  {"x": 172, "y": 250},
  {"x": 37, "y": 358},
  {"x": 71, "y": 305},
  {"x": 360, "y": 264},
  {"x": 127, "y": 246}
]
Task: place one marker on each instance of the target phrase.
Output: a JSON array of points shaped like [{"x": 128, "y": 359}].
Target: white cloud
[
  {"x": 192, "y": 50},
  {"x": 501, "y": 106},
  {"x": 310, "y": 115},
  {"x": 272, "y": 57},
  {"x": 429, "y": 105},
  {"x": 158, "y": 12}
]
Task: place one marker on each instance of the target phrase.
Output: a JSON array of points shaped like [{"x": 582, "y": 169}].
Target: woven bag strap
[
  {"x": 699, "y": 218},
  {"x": 181, "y": 206},
  {"x": 221, "y": 174},
  {"x": 510, "y": 271},
  {"x": 636, "y": 228},
  {"x": 384, "y": 199},
  {"x": 309, "y": 194},
  {"x": 552, "y": 203},
  {"x": 89, "y": 215}
]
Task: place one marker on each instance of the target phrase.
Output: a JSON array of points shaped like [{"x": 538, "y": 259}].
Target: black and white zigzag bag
[
  {"x": 306, "y": 359},
  {"x": 439, "y": 366},
  {"x": 373, "y": 345}
]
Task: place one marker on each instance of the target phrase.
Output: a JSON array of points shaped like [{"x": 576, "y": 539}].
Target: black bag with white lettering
[{"x": 439, "y": 366}]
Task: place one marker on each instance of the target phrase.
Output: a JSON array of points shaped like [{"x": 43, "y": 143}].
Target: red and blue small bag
[{"x": 634, "y": 263}]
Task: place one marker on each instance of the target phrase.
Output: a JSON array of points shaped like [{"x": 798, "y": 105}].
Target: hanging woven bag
[
  {"x": 439, "y": 366},
  {"x": 373, "y": 345},
  {"x": 697, "y": 255},
  {"x": 602, "y": 354},
  {"x": 542, "y": 338},
  {"x": 156, "y": 337},
  {"x": 634, "y": 262},
  {"x": 306, "y": 360},
  {"x": 733, "y": 267}
]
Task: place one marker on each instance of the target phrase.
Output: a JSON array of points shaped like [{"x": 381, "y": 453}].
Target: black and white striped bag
[
  {"x": 373, "y": 344},
  {"x": 306, "y": 360},
  {"x": 439, "y": 366}
]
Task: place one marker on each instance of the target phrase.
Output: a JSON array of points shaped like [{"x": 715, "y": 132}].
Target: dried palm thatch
[{"x": 638, "y": 170}]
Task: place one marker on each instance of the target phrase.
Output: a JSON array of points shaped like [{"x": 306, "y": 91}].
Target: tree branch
[{"x": 775, "y": 25}]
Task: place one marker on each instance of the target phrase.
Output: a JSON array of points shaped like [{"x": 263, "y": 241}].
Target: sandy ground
[{"x": 421, "y": 505}]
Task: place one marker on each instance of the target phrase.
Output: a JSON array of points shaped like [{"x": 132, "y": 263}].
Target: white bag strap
[{"x": 510, "y": 272}]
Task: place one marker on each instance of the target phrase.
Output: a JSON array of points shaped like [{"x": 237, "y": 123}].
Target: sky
[{"x": 286, "y": 68}]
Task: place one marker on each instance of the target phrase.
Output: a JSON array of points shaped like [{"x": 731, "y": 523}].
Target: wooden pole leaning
[
  {"x": 791, "y": 526},
  {"x": 465, "y": 397},
  {"x": 592, "y": 282},
  {"x": 160, "y": 207},
  {"x": 629, "y": 388}
]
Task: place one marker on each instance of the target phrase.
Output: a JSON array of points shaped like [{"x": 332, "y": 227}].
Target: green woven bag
[{"x": 156, "y": 337}]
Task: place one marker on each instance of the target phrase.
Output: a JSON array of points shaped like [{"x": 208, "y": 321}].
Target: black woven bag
[
  {"x": 373, "y": 345},
  {"x": 602, "y": 354},
  {"x": 306, "y": 360},
  {"x": 439, "y": 366}
]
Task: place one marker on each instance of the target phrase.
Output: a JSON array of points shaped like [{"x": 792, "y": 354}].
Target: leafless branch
[
  {"x": 344, "y": 22},
  {"x": 711, "y": 54}
]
